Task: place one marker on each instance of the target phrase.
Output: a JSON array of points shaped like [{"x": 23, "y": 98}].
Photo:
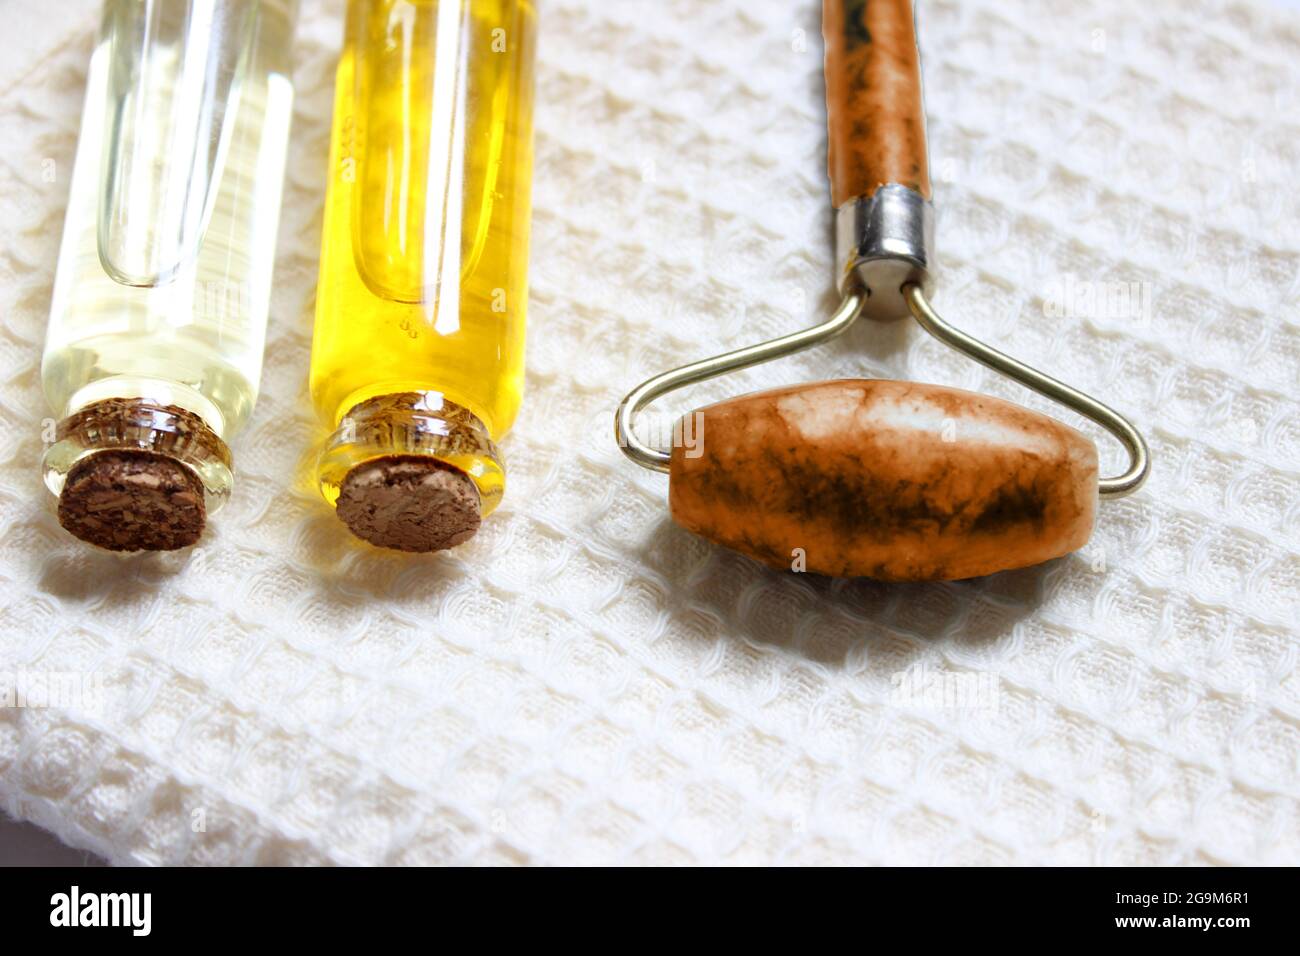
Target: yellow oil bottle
[{"x": 418, "y": 351}]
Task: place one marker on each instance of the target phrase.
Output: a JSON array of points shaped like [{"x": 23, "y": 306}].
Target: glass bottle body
[
  {"x": 423, "y": 284},
  {"x": 163, "y": 281}
]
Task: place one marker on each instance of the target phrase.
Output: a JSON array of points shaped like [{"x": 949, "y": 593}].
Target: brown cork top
[
  {"x": 409, "y": 503},
  {"x": 133, "y": 500}
]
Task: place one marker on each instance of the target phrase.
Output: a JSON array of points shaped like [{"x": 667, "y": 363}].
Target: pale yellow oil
[
  {"x": 164, "y": 275},
  {"x": 163, "y": 283},
  {"x": 423, "y": 278}
]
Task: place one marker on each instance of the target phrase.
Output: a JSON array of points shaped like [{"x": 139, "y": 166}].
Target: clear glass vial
[
  {"x": 158, "y": 320},
  {"x": 418, "y": 354}
]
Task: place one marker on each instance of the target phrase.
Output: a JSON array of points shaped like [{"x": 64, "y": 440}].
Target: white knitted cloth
[{"x": 586, "y": 682}]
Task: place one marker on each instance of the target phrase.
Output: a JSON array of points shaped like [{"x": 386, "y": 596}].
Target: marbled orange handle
[
  {"x": 893, "y": 480},
  {"x": 873, "y": 98}
]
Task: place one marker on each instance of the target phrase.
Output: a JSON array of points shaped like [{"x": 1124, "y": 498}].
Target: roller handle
[{"x": 874, "y": 108}]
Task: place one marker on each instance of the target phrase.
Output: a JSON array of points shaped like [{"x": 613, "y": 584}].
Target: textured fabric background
[{"x": 586, "y": 683}]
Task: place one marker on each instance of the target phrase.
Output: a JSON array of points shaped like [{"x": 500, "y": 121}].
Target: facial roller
[{"x": 899, "y": 481}]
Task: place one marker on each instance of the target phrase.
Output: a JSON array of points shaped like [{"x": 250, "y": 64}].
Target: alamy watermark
[
  {"x": 74, "y": 690},
  {"x": 660, "y": 431},
  {"x": 1105, "y": 300},
  {"x": 924, "y": 688},
  {"x": 133, "y": 911}
]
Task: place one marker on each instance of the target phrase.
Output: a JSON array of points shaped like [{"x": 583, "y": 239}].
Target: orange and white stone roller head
[{"x": 892, "y": 480}]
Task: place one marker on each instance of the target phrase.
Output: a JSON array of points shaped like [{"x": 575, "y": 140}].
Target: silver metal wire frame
[
  {"x": 1139, "y": 459},
  {"x": 850, "y": 308},
  {"x": 645, "y": 393}
]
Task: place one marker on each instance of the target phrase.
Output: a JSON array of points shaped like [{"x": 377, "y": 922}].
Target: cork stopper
[
  {"x": 130, "y": 500},
  {"x": 133, "y": 474},
  {"x": 412, "y": 471},
  {"x": 410, "y": 503}
]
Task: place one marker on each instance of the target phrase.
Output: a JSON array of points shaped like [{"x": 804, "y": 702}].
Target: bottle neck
[
  {"x": 415, "y": 423},
  {"x": 141, "y": 425}
]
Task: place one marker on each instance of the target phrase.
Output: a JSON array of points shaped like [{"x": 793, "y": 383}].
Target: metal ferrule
[{"x": 882, "y": 242}]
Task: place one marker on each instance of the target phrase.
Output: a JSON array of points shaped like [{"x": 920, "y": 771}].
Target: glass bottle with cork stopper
[
  {"x": 158, "y": 319},
  {"x": 417, "y": 358}
]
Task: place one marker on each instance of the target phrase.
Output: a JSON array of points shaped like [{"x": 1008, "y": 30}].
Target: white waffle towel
[{"x": 584, "y": 682}]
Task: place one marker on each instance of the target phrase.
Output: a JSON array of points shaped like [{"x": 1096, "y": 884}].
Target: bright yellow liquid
[{"x": 423, "y": 280}]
